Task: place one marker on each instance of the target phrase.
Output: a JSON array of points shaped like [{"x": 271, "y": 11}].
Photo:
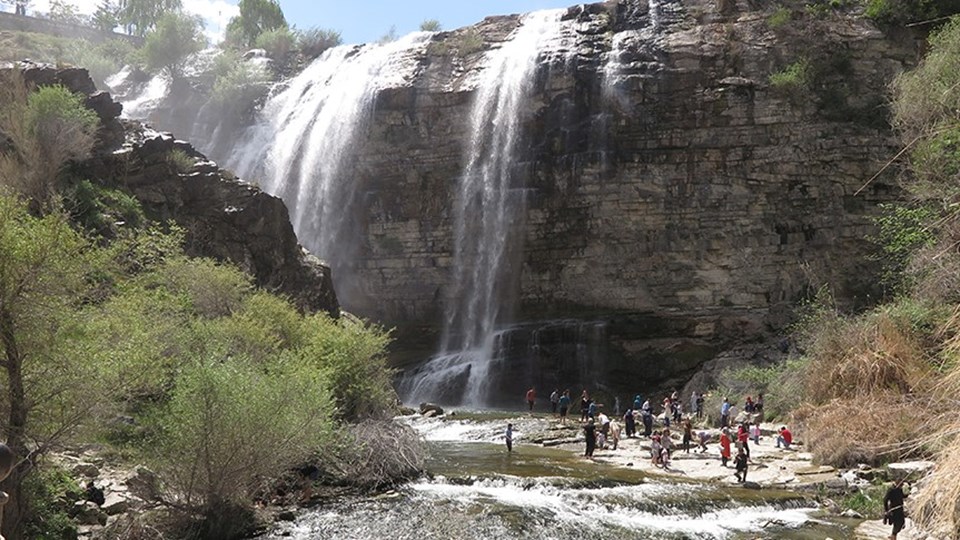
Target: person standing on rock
[
  {"x": 584, "y": 405},
  {"x": 740, "y": 462},
  {"x": 646, "y": 414},
  {"x": 759, "y": 408},
  {"x": 629, "y": 423},
  {"x": 554, "y": 400},
  {"x": 725, "y": 413},
  {"x": 687, "y": 435},
  {"x": 508, "y": 437},
  {"x": 637, "y": 402},
  {"x": 893, "y": 508},
  {"x": 564, "y": 404},
  {"x": 700, "y": 401},
  {"x": 616, "y": 406},
  {"x": 590, "y": 433},
  {"x": 531, "y": 397},
  {"x": 725, "y": 446}
]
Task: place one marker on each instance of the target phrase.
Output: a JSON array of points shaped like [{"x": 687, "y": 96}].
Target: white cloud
[{"x": 215, "y": 13}]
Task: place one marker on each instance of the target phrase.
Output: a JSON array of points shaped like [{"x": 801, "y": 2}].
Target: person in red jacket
[
  {"x": 785, "y": 438},
  {"x": 531, "y": 397},
  {"x": 743, "y": 435},
  {"x": 725, "y": 446}
]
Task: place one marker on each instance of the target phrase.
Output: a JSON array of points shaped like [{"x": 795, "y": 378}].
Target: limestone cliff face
[
  {"x": 222, "y": 217},
  {"x": 677, "y": 202},
  {"x": 673, "y": 193}
]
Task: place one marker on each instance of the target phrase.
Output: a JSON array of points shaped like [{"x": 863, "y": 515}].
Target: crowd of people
[{"x": 641, "y": 418}]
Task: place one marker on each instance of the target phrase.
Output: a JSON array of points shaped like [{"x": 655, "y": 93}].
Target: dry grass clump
[
  {"x": 869, "y": 429},
  {"x": 378, "y": 454},
  {"x": 860, "y": 357}
]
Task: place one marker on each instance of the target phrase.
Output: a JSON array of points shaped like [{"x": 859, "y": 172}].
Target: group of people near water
[{"x": 600, "y": 431}]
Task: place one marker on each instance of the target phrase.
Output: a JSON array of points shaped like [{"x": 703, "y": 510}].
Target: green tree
[
  {"x": 256, "y": 17},
  {"x": 141, "y": 16},
  {"x": 49, "y": 386},
  {"x": 105, "y": 18},
  {"x": 176, "y": 37},
  {"x": 63, "y": 11}
]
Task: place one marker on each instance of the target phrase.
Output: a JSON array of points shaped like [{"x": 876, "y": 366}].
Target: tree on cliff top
[
  {"x": 141, "y": 16},
  {"x": 256, "y": 17},
  {"x": 168, "y": 47}
]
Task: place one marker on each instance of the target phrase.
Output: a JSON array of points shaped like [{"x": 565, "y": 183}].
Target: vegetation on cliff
[
  {"x": 110, "y": 333},
  {"x": 883, "y": 385}
]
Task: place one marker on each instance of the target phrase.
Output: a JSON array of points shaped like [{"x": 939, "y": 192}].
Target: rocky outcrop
[
  {"x": 678, "y": 202},
  {"x": 223, "y": 217}
]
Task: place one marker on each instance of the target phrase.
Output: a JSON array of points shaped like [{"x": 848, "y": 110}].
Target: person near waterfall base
[
  {"x": 893, "y": 513},
  {"x": 531, "y": 397},
  {"x": 554, "y": 400},
  {"x": 590, "y": 434},
  {"x": 740, "y": 462},
  {"x": 725, "y": 413},
  {"x": 629, "y": 423},
  {"x": 508, "y": 437},
  {"x": 564, "y": 404},
  {"x": 584, "y": 405}
]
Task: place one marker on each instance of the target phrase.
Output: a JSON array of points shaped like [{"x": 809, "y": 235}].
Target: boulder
[
  {"x": 88, "y": 513},
  {"x": 144, "y": 484},
  {"x": 86, "y": 469},
  {"x": 909, "y": 469},
  {"x": 430, "y": 409}
]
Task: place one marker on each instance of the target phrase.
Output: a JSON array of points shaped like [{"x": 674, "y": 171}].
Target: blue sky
[
  {"x": 367, "y": 20},
  {"x": 359, "y": 21}
]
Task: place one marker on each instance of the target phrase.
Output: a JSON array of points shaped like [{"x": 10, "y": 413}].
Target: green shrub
[
  {"x": 181, "y": 161},
  {"x": 176, "y": 37},
  {"x": 352, "y": 356},
  {"x": 868, "y": 502},
  {"x": 252, "y": 425},
  {"x": 278, "y": 43},
  {"x": 780, "y": 17},
  {"x": 50, "y": 493},
  {"x": 102, "y": 210},
  {"x": 312, "y": 42},
  {"x": 899, "y": 12},
  {"x": 430, "y": 25},
  {"x": 793, "y": 78},
  {"x": 901, "y": 232},
  {"x": 236, "y": 92}
]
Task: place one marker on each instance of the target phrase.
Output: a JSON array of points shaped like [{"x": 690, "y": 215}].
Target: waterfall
[
  {"x": 303, "y": 142},
  {"x": 488, "y": 217}
]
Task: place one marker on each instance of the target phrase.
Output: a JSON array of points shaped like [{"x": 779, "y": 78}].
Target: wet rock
[
  {"x": 286, "y": 515},
  {"x": 751, "y": 485},
  {"x": 430, "y": 409},
  {"x": 851, "y": 513}
]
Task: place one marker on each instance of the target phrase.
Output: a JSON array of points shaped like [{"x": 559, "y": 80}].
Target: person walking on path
[
  {"x": 564, "y": 404},
  {"x": 531, "y": 397},
  {"x": 893, "y": 513},
  {"x": 590, "y": 433},
  {"x": 725, "y": 446},
  {"x": 740, "y": 462},
  {"x": 508, "y": 437}
]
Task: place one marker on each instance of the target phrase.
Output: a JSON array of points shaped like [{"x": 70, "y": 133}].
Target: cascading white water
[
  {"x": 488, "y": 212},
  {"x": 307, "y": 131}
]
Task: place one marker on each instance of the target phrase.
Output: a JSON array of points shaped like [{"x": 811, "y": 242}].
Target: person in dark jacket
[
  {"x": 590, "y": 432},
  {"x": 893, "y": 508}
]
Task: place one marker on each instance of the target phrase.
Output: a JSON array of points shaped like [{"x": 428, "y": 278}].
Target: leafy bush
[
  {"x": 102, "y": 210},
  {"x": 780, "y": 17},
  {"x": 252, "y": 424},
  {"x": 351, "y": 354},
  {"x": 430, "y": 25},
  {"x": 236, "y": 92},
  {"x": 793, "y": 78},
  {"x": 898, "y": 12},
  {"x": 312, "y": 42},
  {"x": 278, "y": 42},
  {"x": 181, "y": 161},
  {"x": 901, "y": 232},
  {"x": 50, "y": 493}
]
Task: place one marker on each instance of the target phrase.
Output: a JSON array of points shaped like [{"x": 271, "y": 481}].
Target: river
[{"x": 474, "y": 489}]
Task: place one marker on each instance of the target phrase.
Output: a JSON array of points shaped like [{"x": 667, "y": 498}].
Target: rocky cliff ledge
[{"x": 223, "y": 217}]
